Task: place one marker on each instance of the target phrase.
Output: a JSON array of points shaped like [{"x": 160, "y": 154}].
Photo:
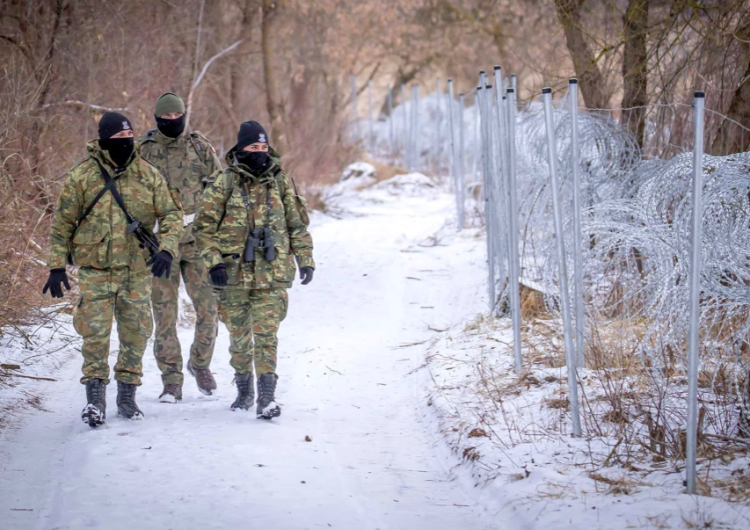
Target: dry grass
[
  {"x": 620, "y": 405},
  {"x": 477, "y": 433},
  {"x": 557, "y": 403},
  {"x": 13, "y": 408},
  {"x": 24, "y": 228},
  {"x": 471, "y": 454},
  {"x": 532, "y": 304},
  {"x": 617, "y": 486},
  {"x": 385, "y": 171}
]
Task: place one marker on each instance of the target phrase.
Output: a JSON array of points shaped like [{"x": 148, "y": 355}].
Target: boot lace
[
  {"x": 95, "y": 392},
  {"x": 243, "y": 387},
  {"x": 172, "y": 389},
  {"x": 127, "y": 391},
  {"x": 267, "y": 387}
]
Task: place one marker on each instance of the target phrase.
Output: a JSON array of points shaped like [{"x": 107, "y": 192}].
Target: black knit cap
[
  {"x": 250, "y": 133},
  {"x": 112, "y": 123}
]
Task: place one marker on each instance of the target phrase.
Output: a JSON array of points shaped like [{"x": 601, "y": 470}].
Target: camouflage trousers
[
  {"x": 253, "y": 317},
  {"x": 124, "y": 295},
  {"x": 165, "y": 299}
]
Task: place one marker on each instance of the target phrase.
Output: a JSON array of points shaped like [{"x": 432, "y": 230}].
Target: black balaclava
[
  {"x": 252, "y": 132},
  {"x": 120, "y": 149},
  {"x": 171, "y": 128}
]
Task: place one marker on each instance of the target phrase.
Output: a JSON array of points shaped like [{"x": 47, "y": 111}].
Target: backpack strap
[
  {"x": 279, "y": 176},
  {"x": 201, "y": 150}
]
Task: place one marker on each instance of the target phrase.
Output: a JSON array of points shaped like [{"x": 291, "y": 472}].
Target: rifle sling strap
[
  {"x": 109, "y": 185},
  {"x": 99, "y": 195}
]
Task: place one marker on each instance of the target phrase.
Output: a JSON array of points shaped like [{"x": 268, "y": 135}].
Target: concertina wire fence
[{"x": 627, "y": 218}]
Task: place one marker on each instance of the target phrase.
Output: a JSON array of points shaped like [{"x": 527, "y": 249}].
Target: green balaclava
[{"x": 166, "y": 104}]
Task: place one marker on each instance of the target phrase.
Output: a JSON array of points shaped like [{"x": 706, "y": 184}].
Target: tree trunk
[
  {"x": 403, "y": 77},
  {"x": 238, "y": 73},
  {"x": 635, "y": 68},
  {"x": 271, "y": 74},
  {"x": 730, "y": 138},
  {"x": 44, "y": 74},
  {"x": 590, "y": 79}
]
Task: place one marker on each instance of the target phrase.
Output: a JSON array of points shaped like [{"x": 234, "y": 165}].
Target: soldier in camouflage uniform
[
  {"x": 250, "y": 227},
  {"x": 91, "y": 230},
  {"x": 187, "y": 160}
]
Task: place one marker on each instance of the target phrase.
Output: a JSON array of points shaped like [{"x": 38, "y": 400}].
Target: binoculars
[{"x": 260, "y": 238}]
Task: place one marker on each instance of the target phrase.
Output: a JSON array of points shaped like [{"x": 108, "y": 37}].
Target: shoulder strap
[
  {"x": 294, "y": 185},
  {"x": 228, "y": 176},
  {"x": 148, "y": 137},
  {"x": 197, "y": 145},
  {"x": 279, "y": 176},
  {"x": 79, "y": 162},
  {"x": 109, "y": 184}
]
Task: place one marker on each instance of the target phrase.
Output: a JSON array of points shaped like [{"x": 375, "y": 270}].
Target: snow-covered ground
[
  {"x": 392, "y": 370},
  {"x": 347, "y": 382}
]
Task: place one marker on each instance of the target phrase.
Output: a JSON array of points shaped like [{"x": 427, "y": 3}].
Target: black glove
[
  {"x": 306, "y": 275},
  {"x": 56, "y": 277},
  {"x": 162, "y": 263},
  {"x": 218, "y": 275}
]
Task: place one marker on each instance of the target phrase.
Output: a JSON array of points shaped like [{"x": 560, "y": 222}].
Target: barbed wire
[{"x": 636, "y": 250}]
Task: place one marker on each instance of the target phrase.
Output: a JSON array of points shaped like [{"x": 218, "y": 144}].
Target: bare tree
[
  {"x": 590, "y": 78},
  {"x": 730, "y": 138},
  {"x": 635, "y": 67},
  {"x": 270, "y": 30}
]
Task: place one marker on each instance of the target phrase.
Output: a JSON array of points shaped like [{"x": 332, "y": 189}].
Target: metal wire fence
[{"x": 648, "y": 238}]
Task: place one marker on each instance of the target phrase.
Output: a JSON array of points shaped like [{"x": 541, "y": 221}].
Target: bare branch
[
  {"x": 82, "y": 104},
  {"x": 203, "y": 73}
]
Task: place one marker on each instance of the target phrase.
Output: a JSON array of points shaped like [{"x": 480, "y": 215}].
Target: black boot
[
  {"x": 245, "y": 391},
  {"x": 95, "y": 412},
  {"x": 267, "y": 406},
  {"x": 126, "y": 405}
]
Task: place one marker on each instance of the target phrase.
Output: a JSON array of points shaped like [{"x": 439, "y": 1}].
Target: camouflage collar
[
  {"x": 245, "y": 173},
  {"x": 159, "y": 137}
]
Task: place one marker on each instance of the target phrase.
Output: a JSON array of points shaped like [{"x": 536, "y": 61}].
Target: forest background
[{"x": 288, "y": 64}]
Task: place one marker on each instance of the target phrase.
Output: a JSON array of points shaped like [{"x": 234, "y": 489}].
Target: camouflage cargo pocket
[
  {"x": 91, "y": 246},
  {"x": 233, "y": 263}
]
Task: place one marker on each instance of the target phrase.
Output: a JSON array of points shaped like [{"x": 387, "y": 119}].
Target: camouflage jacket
[
  {"x": 233, "y": 205},
  {"x": 101, "y": 241},
  {"x": 187, "y": 162}
]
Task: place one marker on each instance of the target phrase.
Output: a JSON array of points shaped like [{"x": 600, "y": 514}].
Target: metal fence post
[
  {"x": 371, "y": 139},
  {"x": 580, "y": 318},
  {"x": 501, "y": 183},
  {"x": 513, "y": 256},
  {"x": 559, "y": 236},
  {"x": 461, "y": 167},
  {"x": 487, "y": 185},
  {"x": 452, "y": 159},
  {"x": 438, "y": 118},
  {"x": 390, "y": 124},
  {"x": 355, "y": 114},
  {"x": 696, "y": 234},
  {"x": 416, "y": 158},
  {"x": 404, "y": 128},
  {"x": 501, "y": 170}
]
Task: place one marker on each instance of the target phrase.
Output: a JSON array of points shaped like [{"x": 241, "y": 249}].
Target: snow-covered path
[{"x": 371, "y": 464}]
